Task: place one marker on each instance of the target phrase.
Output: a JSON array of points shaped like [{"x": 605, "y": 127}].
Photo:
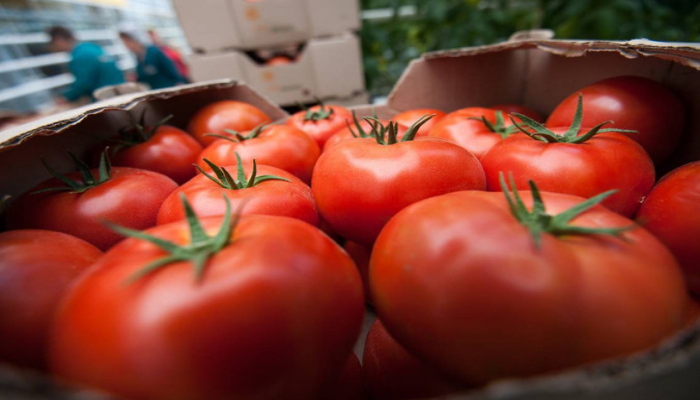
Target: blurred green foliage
[{"x": 389, "y": 44}]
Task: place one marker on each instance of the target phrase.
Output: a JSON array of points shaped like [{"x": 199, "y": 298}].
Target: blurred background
[{"x": 393, "y": 32}]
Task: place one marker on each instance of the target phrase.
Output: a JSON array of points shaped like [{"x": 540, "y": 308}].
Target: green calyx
[
  {"x": 198, "y": 251},
  {"x": 360, "y": 133},
  {"x": 498, "y": 127},
  {"x": 537, "y": 221},
  {"x": 572, "y": 134},
  {"x": 88, "y": 179},
  {"x": 226, "y": 181},
  {"x": 237, "y": 137},
  {"x": 388, "y": 134},
  {"x": 138, "y": 132},
  {"x": 317, "y": 115}
]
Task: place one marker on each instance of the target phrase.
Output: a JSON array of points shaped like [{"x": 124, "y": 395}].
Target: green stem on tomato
[{"x": 226, "y": 181}]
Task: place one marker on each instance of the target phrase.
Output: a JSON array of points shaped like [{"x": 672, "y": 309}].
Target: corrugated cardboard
[
  {"x": 329, "y": 68},
  {"x": 215, "y": 25}
]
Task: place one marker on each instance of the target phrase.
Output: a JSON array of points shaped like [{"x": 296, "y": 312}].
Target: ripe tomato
[
  {"x": 271, "y": 313},
  {"x": 465, "y": 285},
  {"x": 126, "y": 196},
  {"x": 573, "y": 165},
  {"x": 321, "y": 122},
  {"x": 287, "y": 196},
  {"x": 632, "y": 102},
  {"x": 360, "y": 184},
  {"x": 465, "y": 128},
  {"x": 392, "y": 373},
  {"x": 215, "y": 118},
  {"x": 164, "y": 149},
  {"x": 408, "y": 118},
  {"x": 520, "y": 109},
  {"x": 350, "y": 385},
  {"x": 360, "y": 256},
  {"x": 352, "y": 132},
  {"x": 278, "y": 146},
  {"x": 278, "y": 60},
  {"x": 36, "y": 269},
  {"x": 670, "y": 211}
]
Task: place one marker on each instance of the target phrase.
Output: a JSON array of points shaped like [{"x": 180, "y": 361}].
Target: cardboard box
[
  {"x": 535, "y": 72},
  {"x": 212, "y": 25},
  {"x": 329, "y": 68}
]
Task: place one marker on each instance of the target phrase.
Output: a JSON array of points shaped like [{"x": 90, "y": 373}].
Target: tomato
[
  {"x": 569, "y": 162},
  {"x": 271, "y": 313},
  {"x": 321, "y": 122},
  {"x": 670, "y": 211},
  {"x": 632, "y": 102},
  {"x": 352, "y": 132},
  {"x": 465, "y": 128},
  {"x": 520, "y": 109},
  {"x": 360, "y": 256},
  {"x": 280, "y": 146},
  {"x": 36, "y": 269},
  {"x": 287, "y": 196},
  {"x": 392, "y": 373},
  {"x": 484, "y": 289},
  {"x": 360, "y": 184},
  {"x": 278, "y": 60},
  {"x": 350, "y": 384},
  {"x": 409, "y": 117},
  {"x": 126, "y": 196},
  {"x": 217, "y": 117},
  {"x": 164, "y": 149}
]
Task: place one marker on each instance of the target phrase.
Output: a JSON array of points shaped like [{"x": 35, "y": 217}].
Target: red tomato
[
  {"x": 350, "y": 385},
  {"x": 274, "y": 314},
  {"x": 215, "y": 118},
  {"x": 360, "y": 255},
  {"x": 36, "y": 269},
  {"x": 520, "y": 109},
  {"x": 168, "y": 151},
  {"x": 462, "y": 128},
  {"x": 130, "y": 197},
  {"x": 352, "y": 132},
  {"x": 279, "y": 60},
  {"x": 408, "y": 118},
  {"x": 670, "y": 211},
  {"x": 606, "y": 161},
  {"x": 632, "y": 102},
  {"x": 392, "y": 373},
  {"x": 321, "y": 122},
  {"x": 462, "y": 283},
  {"x": 360, "y": 184},
  {"x": 288, "y": 198},
  {"x": 278, "y": 146}
]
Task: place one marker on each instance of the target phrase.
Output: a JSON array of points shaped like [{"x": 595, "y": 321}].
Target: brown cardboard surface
[
  {"x": 328, "y": 68},
  {"x": 78, "y": 130},
  {"x": 216, "y": 25}
]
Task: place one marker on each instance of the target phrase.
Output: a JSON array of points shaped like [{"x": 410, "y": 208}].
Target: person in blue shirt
[
  {"x": 89, "y": 64},
  {"x": 153, "y": 67}
]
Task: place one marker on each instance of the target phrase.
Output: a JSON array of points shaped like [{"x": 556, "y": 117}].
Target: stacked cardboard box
[{"x": 228, "y": 37}]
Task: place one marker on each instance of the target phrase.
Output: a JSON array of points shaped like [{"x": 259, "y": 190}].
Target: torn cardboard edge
[{"x": 57, "y": 123}]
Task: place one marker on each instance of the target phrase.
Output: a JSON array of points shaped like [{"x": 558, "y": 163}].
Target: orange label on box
[
  {"x": 268, "y": 76},
  {"x": 252, "y": 14}
]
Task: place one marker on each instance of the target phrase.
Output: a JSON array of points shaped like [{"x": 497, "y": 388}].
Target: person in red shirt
[{"x": 171, "y": 53}]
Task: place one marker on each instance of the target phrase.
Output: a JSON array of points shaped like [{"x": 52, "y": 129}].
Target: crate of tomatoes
[{"x": 518, "y": 222}]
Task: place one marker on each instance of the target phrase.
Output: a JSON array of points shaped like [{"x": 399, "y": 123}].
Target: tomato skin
[
  {"x": 670, "y": 212},
  {"x": 273, "y": 197},
  {"x": 130, "y": 198},
  {"x": 456, "y": 278},
  {"x": 170, "y": 151},
  {"x": 459, "y": 127},
  {"x": 392, "y": 373},
  {"x": 350, "y": 384},
  {"x": 346, "y": 134},
  {"x": 280, "y": 146},
  {"x": 323, "y": 129},
  {"x": 607, "y": 161},
  {"x": 270, "y": 318},
  {"x": 359, "y": 185},
  {"x": 226, "y": 114},
  {"x": 407, "y": 118},
  {"x": 632, "y": 102},
  {"x": 520, "y": 109},
  {"x": 37, "y": 268},
  {"x": 360, "y": 256}
]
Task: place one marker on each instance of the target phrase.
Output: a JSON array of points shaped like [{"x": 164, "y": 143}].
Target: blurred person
[
  {"x": 90, "y": 65},
  {"x": 171, "y": 53},
  {"x": 153, "y": 67}
]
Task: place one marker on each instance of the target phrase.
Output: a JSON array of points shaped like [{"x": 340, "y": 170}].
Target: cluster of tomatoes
[{"x": 208, "y": 263}]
